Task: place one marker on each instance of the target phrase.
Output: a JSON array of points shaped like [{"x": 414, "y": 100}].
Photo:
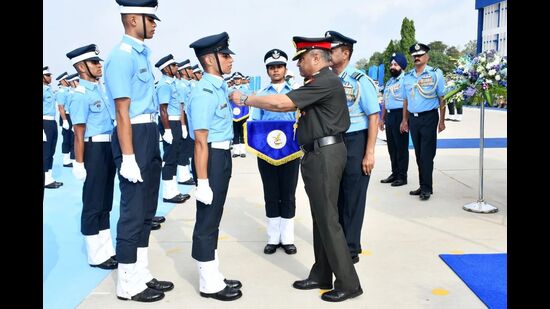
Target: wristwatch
[{"x": 243, "y": 99}]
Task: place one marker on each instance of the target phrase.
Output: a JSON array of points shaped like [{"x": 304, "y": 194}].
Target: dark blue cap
[
  {"x": 339, "y": 39},
  {"x": 217, "y": 43},
  {"x": 88, "y": 52},
  {"x": 237, "y": 75},
  {"x": 72, "y": 77},
  {"x": 165, "y": 61},
  {"x": 62, "y": 76},
  {"x": 275, "y": 56},
  {"x": 45, "y": 71},
  {"x": 145, "y": 7},
  {"x": 418, "y": 49},
  {"x": 400, "y": 59},
  {"x": 185, "y": 63}
]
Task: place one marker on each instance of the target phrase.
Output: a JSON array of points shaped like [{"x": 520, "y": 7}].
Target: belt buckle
[
  {"x": 153, "y": 118},
  {"x": 415, "y": 114}
]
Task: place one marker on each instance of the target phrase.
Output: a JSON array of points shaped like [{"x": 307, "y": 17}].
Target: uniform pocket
[{"x": 97, "y": 107}]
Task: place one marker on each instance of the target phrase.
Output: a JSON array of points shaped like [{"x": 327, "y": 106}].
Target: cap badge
[
  {"x": 276, "y": 55},
  {"x": 417, "y": 47},
  {"x": 393, "y": 55}
]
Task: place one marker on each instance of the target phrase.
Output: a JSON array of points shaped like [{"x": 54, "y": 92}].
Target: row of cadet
[{"x": 336, "y": 130}]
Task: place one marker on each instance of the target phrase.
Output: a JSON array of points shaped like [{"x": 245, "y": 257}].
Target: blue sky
[{"x": 254, "y": 26}]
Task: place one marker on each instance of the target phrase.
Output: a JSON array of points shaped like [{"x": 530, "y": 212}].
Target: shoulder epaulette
[
  {"x": 125, "y": 47},
  {"x": 80, "y": 89},
  {"x": 357, "y": 75},
  {"x": 207, "y": 90}
]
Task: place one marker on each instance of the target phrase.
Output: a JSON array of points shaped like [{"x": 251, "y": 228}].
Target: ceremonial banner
[
  {"x": 272, "y": 140},
  {"x": 239, "y": 112}
]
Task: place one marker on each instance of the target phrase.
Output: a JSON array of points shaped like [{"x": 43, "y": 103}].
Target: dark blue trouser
[
  {"x": 238, "y": 135},
  {"x": 279, "y": 183},
  {"x": 48, "y": 147},
  {"x": 398, "y": 144},
  {"x": 97, "y": 192},
  {"x": 352, "y": 196},
  {"x": 67, "y": 146},
  {"x": 208, "y": 217},
  {"x": 171, "y": 151},
  {"x": 423, "y": 131},
  {"x": 187, "y": 148},
  {"x": 138, "y": 201}
]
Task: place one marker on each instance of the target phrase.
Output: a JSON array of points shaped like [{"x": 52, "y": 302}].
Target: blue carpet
[
  {"x": 484, "y": 274},
  {"x": 490, "y": 142},
  {"x": 67, "y": 278}
]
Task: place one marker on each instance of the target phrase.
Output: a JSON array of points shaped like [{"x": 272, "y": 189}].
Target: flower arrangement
[{"x": 478, "y": 79}]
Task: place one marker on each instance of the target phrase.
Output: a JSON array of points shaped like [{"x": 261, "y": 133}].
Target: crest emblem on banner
[
  {"x": 276, "y": 139},
  {"x": 272, "y": 140}
]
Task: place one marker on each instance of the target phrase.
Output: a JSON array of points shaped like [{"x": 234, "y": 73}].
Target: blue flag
[
  {"x": 272, "y": 140},
  {"x": 239, "y": 112}
]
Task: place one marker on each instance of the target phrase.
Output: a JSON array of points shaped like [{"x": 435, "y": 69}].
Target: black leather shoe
[
  {"x": 235, "y": 284},
  {"x": 155, "y": 226},
  {"x": 163, "y": 286},
  {"x": 336, "y": 295},
  {"x": 234, "y": 155},
  {"x": 309, "y": 284},
  {"x": 424, "y": 196},
  {"x": 290, "y": 249},
  {"x": 180, "y": 198},
  {"x": 417, "y": 192},
  {"x": 227, "y": 294},
  {"x": 389, "y": 179},
  {"x": 270, "y": 249},
  {"x": 189, "y": 182},
  {"x": 355, "y": 259},
  {"x": 148, "y": 295},
  {"x": 158, "y": 219},
  {"x": 53, "y": 185},
  {"x": 109, "y": 264},
  {"x": 398, "y": 183},
  {"x": 68, "y": 165},
  {"x": 243, "y": 155}
]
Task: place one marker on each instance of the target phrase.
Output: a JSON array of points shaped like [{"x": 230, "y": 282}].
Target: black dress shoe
[
  {"x": 336, "y": 295},
  {"x": 158, "y": 219},
  {"x": 398, "y": 183},
  {"x": 243, "y": 155},
  {"x": 234, "y": 155},
  {"x": 180, "y": 198},
  {"x": 58, "y": 183},
  {"x": 109, "y": 264},
  {"x": 148, "y": 295},
  {"x": 270, "y": 249},
  {"x": 227, "y": 294},
  {"x": 68, "y": 165},
  {"x": 290, "y": 249},
  {"x": 355, "y": 259},
  {"x": 424, "y": 196},
  {"x": 155, "y": 226},
  {"x": 189, "y": 182},
  {"x": 390, "y": 179},
  {"x": 417, "y": 192},
  {"x": 236, "y": 284},
  {"x": 163, "y": 286},
  {"x": 53, "y": 185},
  {"x": 309, "y": 284}
]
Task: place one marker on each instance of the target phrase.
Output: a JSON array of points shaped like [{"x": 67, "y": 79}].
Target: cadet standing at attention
[
  {"x": 61, "y": 96},
  {"x": 49, "y": 130}
]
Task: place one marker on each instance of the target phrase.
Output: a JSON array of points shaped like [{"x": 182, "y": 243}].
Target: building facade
[{"x": 492, "y": 26}]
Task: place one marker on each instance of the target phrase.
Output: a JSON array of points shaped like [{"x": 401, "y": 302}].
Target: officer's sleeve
[
  {"x": 164, "y": 93},
  {"x": 60, "y": 98},
  {"x": 440, "y": 84},
  {"x": 403, "y": 90},
  {"x": 79, "y": 109},
  {"x": 308, "y": 94},
  {"x": 118, "y": 75},
  {"x": 369, "y": 97},
  {"x": 202, "y": 109}
]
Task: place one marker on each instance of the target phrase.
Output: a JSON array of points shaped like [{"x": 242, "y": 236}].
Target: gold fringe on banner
[{"x": 269, "y": 160}]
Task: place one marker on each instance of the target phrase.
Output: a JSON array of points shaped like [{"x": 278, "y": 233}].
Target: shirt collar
[
  {"x": 285, "y": 85},
  {"x": 88, "y": 84},
  {"x": 138, "y": 45},
  {"x": 217, "y": 81}
]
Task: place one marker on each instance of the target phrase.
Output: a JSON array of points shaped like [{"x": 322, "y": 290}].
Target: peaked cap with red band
[{"x": 304, "y": 44}]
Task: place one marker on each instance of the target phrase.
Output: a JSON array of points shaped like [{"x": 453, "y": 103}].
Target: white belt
[
  {"x": 174, "y": 117},
  {"x": 47, "y": 117},
  {"x": 144, "y": 118},
  {"x": 98, "y": 138},
  {"x": 225, "y": 145}
]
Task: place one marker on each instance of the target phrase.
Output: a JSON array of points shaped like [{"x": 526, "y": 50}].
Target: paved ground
[{"x": 402, "y": 236}]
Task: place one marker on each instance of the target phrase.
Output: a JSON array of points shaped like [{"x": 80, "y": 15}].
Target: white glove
[
  {"x": 65, "y": 124},
  {"x": 184, "y": 131},
  {"x": 203, "y": 193},
  {"x": 167, "y": 136},
  {"x": 79, "y": 172},
  {"x": 129, "y": 168},
  {"x": 44, "y": 139}
]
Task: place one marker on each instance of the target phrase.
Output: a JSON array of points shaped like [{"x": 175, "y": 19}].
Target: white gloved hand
[
  {"x": 203, "y": 193},
  {"x": 184, "y": 131},
  {"x": 79, "y": 172},
  {"x": 129, "y": 168},
  {"x": 65, "y": 124},
  {"x": 44, "y": 139},
  {"x": 167, "y": 136}
]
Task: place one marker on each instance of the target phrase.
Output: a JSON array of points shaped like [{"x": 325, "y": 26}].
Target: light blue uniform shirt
[
  {"x": 362, "y": 97},
  {"x": 128, "y": 74},
  {"x": 208, "y": 109},
  {"x": 262, "y": 114},
  {"x": 48, "y": 101},
  {"x": 168, "y": 93},
  {"x": 183, "y": 87},
  {"x": 431, "y": 82},
  {"x": 61, "y": 95},
  {"x": 393, "y": 92},
  {"x": 242, "y": 88},
  {"x": 91, "y": 107}
]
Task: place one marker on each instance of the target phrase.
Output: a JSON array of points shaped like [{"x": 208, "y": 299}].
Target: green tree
[
  {"x": 375, "y": 59},
  {"x": 470, "y": 48},
  {"x": 441, "y": 61},
  {"x": 407, "y": 35},
  {"x": 393, "y": 47},
  {"x": 452, "y": 52},
  {"x": 437, "y": 46},
  {"x": 361, "y": 64}
]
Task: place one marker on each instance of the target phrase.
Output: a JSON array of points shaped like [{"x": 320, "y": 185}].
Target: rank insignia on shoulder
[
  {"x": 357, "y": 75},
  {"x": 207, "y": 90}
]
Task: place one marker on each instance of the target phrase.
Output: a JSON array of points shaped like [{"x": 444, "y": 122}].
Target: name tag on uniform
[{"x": 142, "y": 70}]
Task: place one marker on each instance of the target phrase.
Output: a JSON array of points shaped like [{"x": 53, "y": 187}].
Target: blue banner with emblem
[
  {"x": 239, "y": 112},
  {"x": 272, "y": 140}
]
